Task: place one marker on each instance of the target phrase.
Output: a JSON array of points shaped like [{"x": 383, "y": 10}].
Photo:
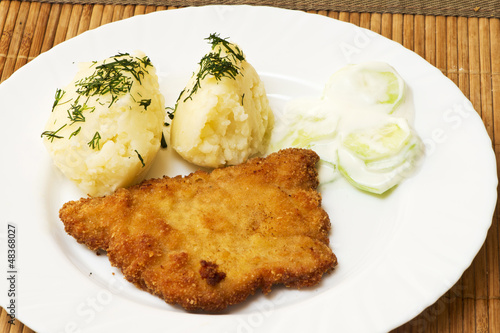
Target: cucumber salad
[{"x": 360, "y": 127}]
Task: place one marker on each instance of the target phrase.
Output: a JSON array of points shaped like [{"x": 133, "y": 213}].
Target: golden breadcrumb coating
[{"x": 209, "y": 240}]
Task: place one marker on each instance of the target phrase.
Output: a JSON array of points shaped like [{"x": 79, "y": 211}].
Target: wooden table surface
[{"x": 467, "y": 50}]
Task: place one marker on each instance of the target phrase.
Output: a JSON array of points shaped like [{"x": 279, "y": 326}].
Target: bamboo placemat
[
  {"x": 469, "y": 8},
  {"x": 466, "y": 49}
]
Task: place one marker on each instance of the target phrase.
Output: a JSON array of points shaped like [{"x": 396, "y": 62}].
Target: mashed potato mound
[
  {"x": 106, "y": 125},
  {"x": 223, "y": 116}
]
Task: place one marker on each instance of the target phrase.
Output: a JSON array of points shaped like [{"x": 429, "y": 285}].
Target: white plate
[{"x": 397, "y": 254}]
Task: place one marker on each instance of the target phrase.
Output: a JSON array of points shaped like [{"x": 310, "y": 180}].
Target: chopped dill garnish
[
  {"x": 242, "y": 97},
  {"x": 170, "y": 114},
  {"x": 232, "y": 49},
  {"x": 75, "y": 132},
  {"x": 113, "y": 99},
  {"x": 217, "y": 64},
  {"x": 57, "y": 101},
  {"x": 146, "y": 61},
  {"x": 75, "y": 112},
  {"x": 163, "y": 142},
  {"x": 103, "y": 81},
  {"x": 140, "y": 158},
  {"x": 51, "y": 135},
  {"x": 177, "y": 101},
  {"x": 59, "y": 95},
  {"x": 115, "y": 77},
  {"x": 109, "y": 77},
  {"x": 145, "y": 103},
  {"x": 95, "y": 141}
]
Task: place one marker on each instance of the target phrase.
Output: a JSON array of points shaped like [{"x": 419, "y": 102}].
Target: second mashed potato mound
[
  {"x": 223, "y": 116},
  {"x": 106, "y": 125}
]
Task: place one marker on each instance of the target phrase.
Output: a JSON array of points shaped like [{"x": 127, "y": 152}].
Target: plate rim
[{"x": 12, "y": 80}]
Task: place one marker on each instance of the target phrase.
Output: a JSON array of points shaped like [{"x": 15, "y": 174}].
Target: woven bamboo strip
[
  {"x": 474, "y": 314},
  {"x": 397, "y": 28},
  {"x": 445, "y": 306},
  {"x": 107, "y": 14},
  {"x": 441, "y": 47},
  {"x": 419, "y": 35},
  {"x": 485, "y": 55},
  {"x": 364, "y": 20},
  {"x": 474, "y": 63},
  {"x": 455, "y": 63},
  {"x": 430, "y": 39},
  {"x": 118, "y": 12},
  {"x": 85, "y": 18},
  {"x": 128, "y": 11},
  {"x": 150, "y": 9},
  {"x": 4, "y": 6},
  {"x": 97, "y": 11},
  {"x": 354, "y": 18},
  {"x": 139, "y": 10},
  {"x": 322, "y": 12},
  {"x": 74, "y": 21},
  {"x": 41, "y": 26},
  {"x": 4, "y": 321},
  {"x": 28, "y": 34},
  {"x": 452, "y": 49},
  {"x": 443, "y": 309},
  {"x": 4, "y": 11},
  {"x": 17, "y": 327},
  {"x": 493, "y": 314},
  {"x": 481, "y": 292},
  {"x": 333, "y": 14},
  {"x": 15, "y": 43},
  {"x": 494, "y": 309},
  {"x": 482, "y": 315},
  {"x": 386, "y": 25},
  {"x": 376, "y": 22},
  {"x": 478, "y": 63},
  {"x": 408, "y": 30},
  {"x": 62, "y": 24},
  {"x": 344, "y": 16},
  {"x": 456, "y": 310},
  {"x": 485, "y": 283},
  {"x": 462, "y": 56},
  {"x": 429, "y": 319},
  {"x": 493, "y": 250},
  {"x": 8, "y": 31},
  {"x": 50, "y": 31}
]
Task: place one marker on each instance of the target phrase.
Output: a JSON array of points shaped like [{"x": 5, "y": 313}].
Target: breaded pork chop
[{"x": 209, "y": 240}]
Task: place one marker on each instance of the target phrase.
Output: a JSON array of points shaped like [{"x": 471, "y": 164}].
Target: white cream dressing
[{"x": 351, "y": 103}]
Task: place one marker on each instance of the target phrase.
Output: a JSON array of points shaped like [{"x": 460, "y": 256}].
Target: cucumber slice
[
  {"x": 305, "y": 123},
  {"x": 376, "y": 163},
  {"x": 327, "y": 172},
  {"x": 367, "y": 84},
  {"x": 379, "y": 142},
  {"x": 327, "y": 165},
  {"x": 355, "y": 128}
]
